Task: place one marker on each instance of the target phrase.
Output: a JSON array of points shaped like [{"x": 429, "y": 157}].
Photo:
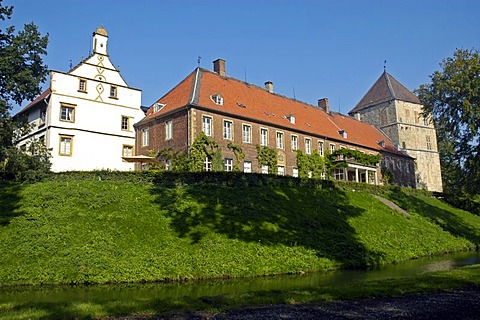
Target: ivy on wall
[
  {"x": 310, "y": 165},
  {"x": 268, "y": 157},
  {"x": 358, "y": 156},
  {"x": 239, "y": 155}
]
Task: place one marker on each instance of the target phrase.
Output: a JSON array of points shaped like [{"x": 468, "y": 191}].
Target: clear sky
[{"x": 309, "y": 49}]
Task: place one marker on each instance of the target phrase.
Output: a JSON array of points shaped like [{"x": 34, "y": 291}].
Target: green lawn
[{"x": 89, "y": 231}]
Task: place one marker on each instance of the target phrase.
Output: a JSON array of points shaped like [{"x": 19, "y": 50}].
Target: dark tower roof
[{"x": 386, "y": 88}]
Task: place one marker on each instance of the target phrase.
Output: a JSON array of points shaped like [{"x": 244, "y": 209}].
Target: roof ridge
[{"x": 389, "y": 84}]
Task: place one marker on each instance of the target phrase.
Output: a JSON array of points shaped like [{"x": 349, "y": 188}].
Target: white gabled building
[{"x": 86, "y": 116}]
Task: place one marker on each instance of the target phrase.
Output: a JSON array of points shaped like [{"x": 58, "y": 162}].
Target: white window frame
[
  {"x": 218, "y": 99},
  {"x": 263, "y": 137},
  {"x": 127, "y": 147},
  {"x": 281, "y": 170},
  {"x": 169, "y": 130},
  {"x": 207, "y": 164},
  {"x": 246, "y": 133},
  {"x": 228, "y": 164},
  {"x": 279, "y": 138},
  {"x": 321, "y": 146},
  {"x": 295, "y": 172},
  {"x": 308, "y": 146},
  {"x": 227, "y": 129},
  {"x": 294, "y": 142},
  {"x": 264, "y": 169},
  {"x": 145, "y": 137},
  {"x": 332, "y": 148},
  {"x": 207, "y": 125},
  {"x": 247, "y": 166}
]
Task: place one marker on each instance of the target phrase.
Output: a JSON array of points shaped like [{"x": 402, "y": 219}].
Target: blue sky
[{"x": 310, "y": 49}]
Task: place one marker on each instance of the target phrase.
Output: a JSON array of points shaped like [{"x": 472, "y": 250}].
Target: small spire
[
  {"x": 198, "y": 61},
  {"x": 385, "y": 66}
]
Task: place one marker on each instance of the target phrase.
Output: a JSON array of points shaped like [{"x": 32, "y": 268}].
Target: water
[{"x": 210, "y": 288}]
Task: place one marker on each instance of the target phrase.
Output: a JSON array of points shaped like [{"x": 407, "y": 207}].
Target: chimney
[
  {"x": 269, "y": 86},
  {"x": 323, "y": 104},
  {"x": 219, "y": 67}
]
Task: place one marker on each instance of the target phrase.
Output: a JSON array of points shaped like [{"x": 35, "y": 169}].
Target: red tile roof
[
  {"x": 248, "y": 101},
  {"x": 44, "y": 95},
  {"x": 386, "y": 88}
]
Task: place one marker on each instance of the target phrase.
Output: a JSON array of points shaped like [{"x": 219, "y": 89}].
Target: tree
[
  {"x": 452, "y": 99},
  {"x": 21, "y": 72}
]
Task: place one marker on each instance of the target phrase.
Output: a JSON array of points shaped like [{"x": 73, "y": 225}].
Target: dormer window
[
  {"x": 343, "y": 133},
  {"x": 291, "y": 118},
  {"x": 382, "y": 143},
  {"x": 218, "y": 99},
  {"x": 158, "y": 106}
]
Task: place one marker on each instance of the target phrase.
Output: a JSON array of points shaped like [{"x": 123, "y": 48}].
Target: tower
[
  {"x": 398, "y": 113},
  {"x": 100, "y": 38}
]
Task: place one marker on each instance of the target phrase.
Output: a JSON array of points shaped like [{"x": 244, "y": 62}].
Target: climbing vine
[
  {"x": 239, "y": 155},
  {"x": 358, "y": 156},
  {"x": 310, "y": 165},
  {"x": 268, "y": 157},
  {"x": 202, "y": 148}
]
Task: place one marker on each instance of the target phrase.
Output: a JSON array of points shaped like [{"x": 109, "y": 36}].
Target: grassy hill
[{"x": 82, "y": 230}]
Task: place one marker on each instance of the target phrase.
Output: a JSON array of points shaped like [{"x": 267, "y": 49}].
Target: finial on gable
[{"x": 385, "y": 66}]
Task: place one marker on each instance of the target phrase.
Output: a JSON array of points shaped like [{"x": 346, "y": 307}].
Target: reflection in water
[{"x": 196, "y": 289}]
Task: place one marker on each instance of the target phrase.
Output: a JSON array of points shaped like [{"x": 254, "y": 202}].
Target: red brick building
[{"x": 231, "y": 110}]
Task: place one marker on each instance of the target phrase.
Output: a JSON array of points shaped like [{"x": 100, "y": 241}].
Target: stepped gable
[
  {"x": 386, "y": 88},
  {"x": 256, "y": 104}
]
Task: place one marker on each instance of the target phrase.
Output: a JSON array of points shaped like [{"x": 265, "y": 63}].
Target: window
[
  {"x": 295, "y": 172},
  {"x": 67, "y": 113},
  {"x": 168, "y": 130},
  {"x": 208, "y": 164},
  {"x": 65, "y": 148},
  {"x": 294, "y": 143},
  {"x": 429, "y": 143},
  {"x": 332, "y": 148},
  {"x": 125, "y": 123},
  {"x": 218, "y": 99},
  {"x": 127, "y": 151},
  {"x": 247, "y": 133},
  {"x": 263, "y": 137},
  {"x": 404, "y": 145},
  {"x": 113, "y": 91},
  {"x": 407, "y": 167},
  {"x": 308, "y": 146},
  {"x": 145, "y": 137},
  {"x": 425, "y": 121},
  {"x": 387, "y": 162},
  {"x": 228, "y": 164},
  {"x": 320, "y": 148},
  {"x": 281, "y": 170},
  {"x": 158, "y": 106},
  {"x": 227, "y": 130},
  {"x": 280, "y": 140},
  {"x": 247, "y": 166},
  {"x": 417, "y": 119},
  {"x": 43, "y": 116},
  {"x": 207, "y": 125},
  {"x": 264, "y": 169},
  {"x": 394, "y": 164},
  {"x": 82, "y": 85},
  {"x": 339, "y": 174}
]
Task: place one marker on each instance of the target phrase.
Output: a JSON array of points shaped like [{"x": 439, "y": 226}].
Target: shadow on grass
[
  {"x": 9, "y": 201},
  {"x": 447, "y": 220},
  {"x": 315, "y": 218}
]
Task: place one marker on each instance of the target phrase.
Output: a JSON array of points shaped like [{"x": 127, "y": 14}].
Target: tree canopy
[
  {"x": 22, "y": 70},
  {"x": 452, "y": 99}
]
